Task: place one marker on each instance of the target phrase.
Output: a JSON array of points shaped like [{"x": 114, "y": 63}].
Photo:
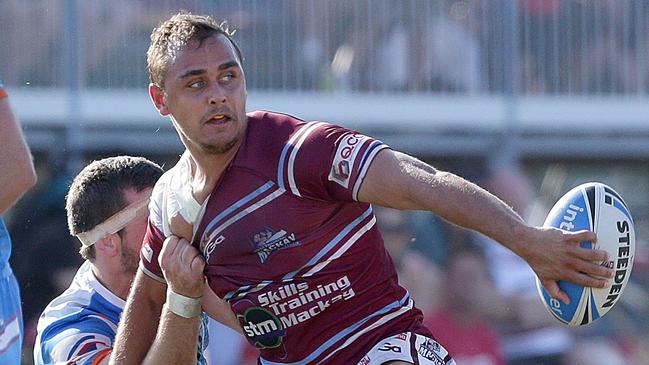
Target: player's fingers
[
  {"x": 583, "y": 279},
  {"x": 554, "y": 291},
  {"x": 590, "y": 266},
  {"x": 582, "y": 235},
  {"x": 197, "y": 265},
  {"x": 186, "y": 252},
  {"x": 169, "y": 247},
  {"x": 588, "y": 254}
]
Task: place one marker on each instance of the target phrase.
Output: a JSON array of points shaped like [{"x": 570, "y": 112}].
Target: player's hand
[
  {"x": 556, "y": 255},
  {"x": 182, "y": 266}
]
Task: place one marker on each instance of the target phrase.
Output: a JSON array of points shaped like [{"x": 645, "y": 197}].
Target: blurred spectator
[
  {"x": 31, "y": 46},
  {"x": 416, "y": 273},
  {"x": 540, "y": 45},
  {"x": 452, "y": 52},
  {"x": 461, "y": 324},
  {"x": 531, "y": 336},
  {"x": 595, "y": 352}
]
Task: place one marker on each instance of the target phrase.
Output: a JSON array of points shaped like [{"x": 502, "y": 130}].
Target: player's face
[
  {"x": 133, "y": 234},
  {"x": 205, "y": 93}
]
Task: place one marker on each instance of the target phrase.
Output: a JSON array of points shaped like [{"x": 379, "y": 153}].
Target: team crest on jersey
[{"x": 267, "y": 242}]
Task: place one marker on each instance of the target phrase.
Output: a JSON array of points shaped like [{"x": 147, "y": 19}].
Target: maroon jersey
[{"x": 299, "y": 259}]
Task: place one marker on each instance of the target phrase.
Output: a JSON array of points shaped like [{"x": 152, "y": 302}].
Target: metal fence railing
[{"x": 429, "y": 46}]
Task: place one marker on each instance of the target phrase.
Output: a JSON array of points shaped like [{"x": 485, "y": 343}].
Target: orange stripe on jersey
[{"x": 101, "y": 356}]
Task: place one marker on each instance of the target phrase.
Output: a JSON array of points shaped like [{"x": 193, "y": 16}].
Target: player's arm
[
  {"x": 18, "y": 174},
  {"x": 219, "y": 310},
  {"x": 139, "y": 322},
  {"x": 177, "y": 338},
  {"x": 152, "y": 329},
  {"x": 400, "y": 181}
]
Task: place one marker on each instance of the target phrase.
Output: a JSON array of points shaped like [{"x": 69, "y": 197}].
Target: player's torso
[{"x": 304, "y": 275}]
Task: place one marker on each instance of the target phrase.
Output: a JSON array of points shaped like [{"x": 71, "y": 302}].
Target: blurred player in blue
[
  {"x": 16, "y": 178},
  {"x": 107, "y": 211}
]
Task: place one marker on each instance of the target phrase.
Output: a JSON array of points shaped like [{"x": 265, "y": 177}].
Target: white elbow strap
[{"x": 183, "y": 306}]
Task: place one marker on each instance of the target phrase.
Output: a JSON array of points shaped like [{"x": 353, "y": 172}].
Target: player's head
[
  {"x": 173, "y": 35},
  {"x": 197, "y": 79},
  {"x": 108, "y": 201}
]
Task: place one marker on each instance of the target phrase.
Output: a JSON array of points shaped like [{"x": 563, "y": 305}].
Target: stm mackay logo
[
  {"x": 268, "y": 241},
  {"x": 262, "y": 327}
]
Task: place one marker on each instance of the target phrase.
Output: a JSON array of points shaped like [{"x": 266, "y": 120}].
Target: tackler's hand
[{"x": 182, "y": 265}]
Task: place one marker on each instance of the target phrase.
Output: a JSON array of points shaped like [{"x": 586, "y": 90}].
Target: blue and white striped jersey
[{"x": 79, "y": 326}]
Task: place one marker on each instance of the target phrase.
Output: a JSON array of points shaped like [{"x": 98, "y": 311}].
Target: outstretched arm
[
  {"x": 400, "y": 181},
  {"x": 16, "y": 164}
]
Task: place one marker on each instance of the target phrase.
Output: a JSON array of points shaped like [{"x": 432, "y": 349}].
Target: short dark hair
[
  {"x": 97, "y": 192},
  {"x": 177, "y": 32}
]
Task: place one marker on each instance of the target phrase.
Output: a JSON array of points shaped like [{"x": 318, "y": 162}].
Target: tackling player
[{"x": 107, "y": 211}]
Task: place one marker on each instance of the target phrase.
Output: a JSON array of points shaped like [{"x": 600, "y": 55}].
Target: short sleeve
[
  {"x": 151, "y": 247},
  {"x": 86, "y": 343},
  {"x": 154, "y": 236},
  {"x": 328, "y": 162}
]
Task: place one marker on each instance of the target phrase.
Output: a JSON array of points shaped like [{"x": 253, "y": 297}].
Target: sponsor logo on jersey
[
  {"x": 388, "y": 347},
  {"x": 402, "y": 336},
  {"x": 267, "y": 242},
  {"x": 262, "y": 327},
  {"x": 430, "y": 350},
  {"x": 207, "y": 245},
  {"x": 345, "y": 157}
]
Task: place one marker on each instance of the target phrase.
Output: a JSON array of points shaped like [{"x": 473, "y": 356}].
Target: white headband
[{"x": 115, "y": 223}]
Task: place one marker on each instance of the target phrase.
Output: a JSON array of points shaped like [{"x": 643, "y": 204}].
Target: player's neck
[
  {"x": 207, "y": 170},
  {"x": 115, "y": 280}
]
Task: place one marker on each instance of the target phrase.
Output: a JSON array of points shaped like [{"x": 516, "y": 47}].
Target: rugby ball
[{"x": 598, "y": 208}]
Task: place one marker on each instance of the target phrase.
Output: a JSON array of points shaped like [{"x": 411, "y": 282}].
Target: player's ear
[
  {"x": 109, "y": 245},
  {"x": 157, "y": 95}
]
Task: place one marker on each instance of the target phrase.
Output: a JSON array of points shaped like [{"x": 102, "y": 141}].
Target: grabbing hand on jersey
[{"x": 182, "y": 266}]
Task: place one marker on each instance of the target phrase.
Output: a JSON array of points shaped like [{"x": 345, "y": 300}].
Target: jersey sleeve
[
  {"x": 87, "y": 342},
  {"x": 153, "y": 238},
  {"x": 328, "y": 162}
]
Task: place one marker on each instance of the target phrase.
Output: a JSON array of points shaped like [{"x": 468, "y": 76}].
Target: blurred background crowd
[{"x": 527, "y": 98}]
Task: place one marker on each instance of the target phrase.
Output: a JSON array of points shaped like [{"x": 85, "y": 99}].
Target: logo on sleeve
[
  {"x": 345, "y": 157},
  {"x": 147, "y": 252}
]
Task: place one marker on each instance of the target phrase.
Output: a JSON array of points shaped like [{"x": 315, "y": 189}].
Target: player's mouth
[{"x": 219, "y": 119}]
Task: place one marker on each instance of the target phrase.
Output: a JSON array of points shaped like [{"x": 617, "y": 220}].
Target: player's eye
[
  {"x": 227, "y": 77},
  {"x": 195, "y": 84}
]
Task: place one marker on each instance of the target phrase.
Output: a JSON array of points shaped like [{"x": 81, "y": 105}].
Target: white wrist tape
[{"x": 183, "y": 306}]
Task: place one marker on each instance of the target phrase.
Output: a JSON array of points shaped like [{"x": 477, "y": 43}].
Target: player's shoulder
[
  {"x": 269, "y": 128},
  {"x": 171, "y": 181},
  {"x": 85, "y": 297}
]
